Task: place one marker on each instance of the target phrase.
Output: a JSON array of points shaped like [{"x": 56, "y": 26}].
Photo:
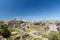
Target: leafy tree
[
  {"x": 27, "y": 26},
  {"x": 36, "y": 24},
  {"x": 5, "y": 32}
]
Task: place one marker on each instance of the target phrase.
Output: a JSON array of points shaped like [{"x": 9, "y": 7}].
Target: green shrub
[
  {"x": 5, "y": 32},
  {"x": 45, "y": 36},
  {"x": 53, "y": 36}
]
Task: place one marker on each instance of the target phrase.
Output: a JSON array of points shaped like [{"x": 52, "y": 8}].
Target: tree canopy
[{"x": 5, "y": 32}]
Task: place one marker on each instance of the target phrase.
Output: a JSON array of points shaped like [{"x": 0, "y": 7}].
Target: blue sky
[{"x": 30, "y": 9}]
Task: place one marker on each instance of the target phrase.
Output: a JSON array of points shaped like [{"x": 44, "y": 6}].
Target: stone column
[
  {"x": 0, "y": 37},
  {"x": 21, "y": 36}
]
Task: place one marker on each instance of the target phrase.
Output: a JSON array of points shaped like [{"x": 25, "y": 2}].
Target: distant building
[
  {"x": 29, "y": 24},
  {"x": 15, "y": 23},
  {"x": 1, "y": 22}
]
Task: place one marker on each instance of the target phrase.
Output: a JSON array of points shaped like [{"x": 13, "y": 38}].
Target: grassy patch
[
  {"x": 11, "y": 30},
  {"x": 10, "y": 38},
  {"x": 37, "y": 39},
  {"x": 44, "y": 36},
  {"x": 27, "y": 30}
]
